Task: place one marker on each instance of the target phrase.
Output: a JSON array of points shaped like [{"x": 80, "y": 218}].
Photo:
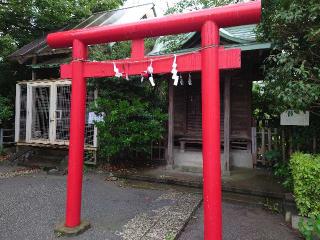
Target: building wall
[
  {"x": 187, "y": 109},
  {"x": 187, "y": 120}
]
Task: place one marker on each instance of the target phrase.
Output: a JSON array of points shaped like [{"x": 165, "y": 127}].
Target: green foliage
[
  {"x": 292, "y": 70},
  {"x": 133, "y": 118},
  {"x": 305, "y": 170},
  {"x": 271, "y": 205},
  {"x": 135, "y": 112},
  {"x": 118, "y": 50},
  {"x": 264, "y": 104},
  {"x": 282, "y": 171},
  {"x": 191, "y": 5},
  {"x": 272, "y": 155},
  {"x": 23, "y": 21},
  {"x": 6, "y": 110},
  {"x": 175, "y": 42},
  {"x": 310, "y": 228}
]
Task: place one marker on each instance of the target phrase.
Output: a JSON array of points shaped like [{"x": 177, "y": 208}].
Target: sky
[{"x": 160, "y": 5}]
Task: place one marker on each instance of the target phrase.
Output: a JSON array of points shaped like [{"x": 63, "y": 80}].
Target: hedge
[{"x": 306, "y": 178}]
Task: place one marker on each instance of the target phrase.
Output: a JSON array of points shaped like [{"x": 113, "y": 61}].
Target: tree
[
  {"x": 175, "y": 42},
  {"x": 23, "y": 21},
  {"x": 191, "y": 5},
  {"x": 292, "y": 71}
]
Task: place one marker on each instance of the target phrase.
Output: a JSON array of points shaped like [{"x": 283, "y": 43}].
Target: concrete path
[
  {"x": 32, "y": 204},
  {"x": 243, "y": 223}
]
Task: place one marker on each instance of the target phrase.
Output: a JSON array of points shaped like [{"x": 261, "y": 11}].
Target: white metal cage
[{"x": 43, "y": 115}]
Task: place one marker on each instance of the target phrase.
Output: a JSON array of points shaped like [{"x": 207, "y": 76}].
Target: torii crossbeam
[{"x": 209, "y": 60}]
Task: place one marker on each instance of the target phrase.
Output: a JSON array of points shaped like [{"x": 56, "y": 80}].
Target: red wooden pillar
[
  {"x": 137, "y": 49},
  {"x": 211, "y": 131},
  {"x": 77, "y": 125}
]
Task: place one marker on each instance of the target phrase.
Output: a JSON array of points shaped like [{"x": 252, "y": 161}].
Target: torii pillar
[
  {"x": 209, "y": 60},
  {"x": 210, "y": 90}
]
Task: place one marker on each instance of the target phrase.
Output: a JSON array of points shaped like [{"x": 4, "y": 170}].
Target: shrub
[
  {"x": 282, "y": 170},
  {"x": 6, "y": 111},
  {"x": 305, "y": 170},
  {"x": 310, "y": 228},
  {"x": 135, "y": 115}
]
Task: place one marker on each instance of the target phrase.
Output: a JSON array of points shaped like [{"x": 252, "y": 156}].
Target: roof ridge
[{"x": 123, "y": 8}]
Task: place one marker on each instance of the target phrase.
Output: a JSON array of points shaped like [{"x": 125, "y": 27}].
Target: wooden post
[
  {"x": 276, "y": 138},
  {"x": 17, "y": 115},
  {"x": 1, "y": 138},
  {"x": 283, "y": 145},
  {"x": 170, "y": 156},
  {"x": 269, "y": 139},
  {"x": 254, "y": 146},
  {"x": 226, "y": 153},
  {"x": 290, "y": 142},
  {"x": 263, "y": 144}
]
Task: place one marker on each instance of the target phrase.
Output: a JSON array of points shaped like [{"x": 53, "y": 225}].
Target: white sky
[{"x": 160, "y": 5}]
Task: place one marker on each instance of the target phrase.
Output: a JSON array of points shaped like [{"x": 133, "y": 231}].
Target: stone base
[{"x": 62, "y": 230}]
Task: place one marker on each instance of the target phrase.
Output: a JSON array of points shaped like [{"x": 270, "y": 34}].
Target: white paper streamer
[
  {"x": 150, "y": 71},
  {"x": 116, "y": 71},
  {"x": 181, "y": 80},
  {"x": 174, "y": 71},
  {"x": 189, "y": 80}
]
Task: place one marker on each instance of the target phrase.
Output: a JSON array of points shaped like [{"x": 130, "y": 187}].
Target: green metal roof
[
  {"x": 243, "y": 37},
  {"x": 240, "y": 34}
]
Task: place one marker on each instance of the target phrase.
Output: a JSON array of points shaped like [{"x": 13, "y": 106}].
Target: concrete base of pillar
[
  {"x": 62, "y": 230},
  {"x": 169, "y": 167},
  {"x": 226, "y": 173}
]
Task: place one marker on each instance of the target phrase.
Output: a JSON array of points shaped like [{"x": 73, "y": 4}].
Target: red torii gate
[{"x": 209, "y": 59}]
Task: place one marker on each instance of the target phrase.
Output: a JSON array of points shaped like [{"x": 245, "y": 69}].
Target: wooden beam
[
  {"x": 228, "y": 59},
  {"x": 170, "y": 157},
  {"x": 226, "y": 154}
]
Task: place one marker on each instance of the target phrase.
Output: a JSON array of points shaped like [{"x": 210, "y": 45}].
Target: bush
[
  {"x": 282, "y": 170},
  {"x": 135, "y": 116},
  {"x": 305, "y": 170},
  {"x": 129, "y": 127},
  {"x": 6, "y": 111},
  {"x": 310, "y": 228}
]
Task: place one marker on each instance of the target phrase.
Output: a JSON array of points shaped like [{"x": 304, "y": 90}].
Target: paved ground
[
  {"x": 33, "y": 204},
  {"x": 260, "y": 181},
  {"x": 243, "y": 223}
]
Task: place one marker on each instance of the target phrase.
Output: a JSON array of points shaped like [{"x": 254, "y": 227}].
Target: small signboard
[
  {"x": 291, "y": 118},
  {"x": 92, "y": 117}
]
